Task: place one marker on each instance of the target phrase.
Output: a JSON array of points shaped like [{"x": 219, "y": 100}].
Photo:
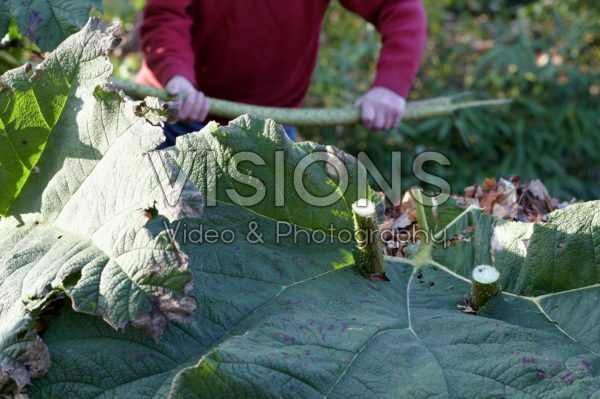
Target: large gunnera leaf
[
  {"x": 97, "y": 231},
  {"x": 46, "y": 22},
  {"x": 282, "y": 310},
  {"x": 285, "y": 317}
]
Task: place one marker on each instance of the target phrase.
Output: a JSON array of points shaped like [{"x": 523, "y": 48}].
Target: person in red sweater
[{"x": 264, "y": 52}]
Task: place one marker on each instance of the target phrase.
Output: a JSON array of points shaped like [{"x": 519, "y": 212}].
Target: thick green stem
[
  {"x": 369, "y": 253},
  {"x": 486, "y": 285},
  {"x": 309, "y": 116},
  {"x": 424, "y": 233},
  {"x": 420, "y": 211}
]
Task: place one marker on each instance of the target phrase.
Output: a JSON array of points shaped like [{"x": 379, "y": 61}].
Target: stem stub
[
  {"x": 368, "y": 253},
  {"x": 486, "y": 285}
]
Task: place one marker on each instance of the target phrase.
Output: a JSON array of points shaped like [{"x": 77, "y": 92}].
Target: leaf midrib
[{"x": 534, "y": 300}]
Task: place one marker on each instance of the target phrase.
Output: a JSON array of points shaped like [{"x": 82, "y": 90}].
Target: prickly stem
[{"x": 415, "y": 110}]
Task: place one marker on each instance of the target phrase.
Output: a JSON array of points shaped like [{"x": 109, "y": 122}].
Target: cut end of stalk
[
  {"x": 486, "y": 274},
  {"x": 364, "y": 208},
  {"x": 486, "y": 285},
  {"x": 368, "y": 253}
]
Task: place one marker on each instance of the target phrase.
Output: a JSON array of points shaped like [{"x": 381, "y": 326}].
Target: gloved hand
[
  {"x": 382, "y": 109},
  {"x": 195, "y": 106}
]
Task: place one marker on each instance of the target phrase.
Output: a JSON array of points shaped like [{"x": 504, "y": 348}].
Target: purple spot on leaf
[
  {"x": 527, "y": 361},
  {"x": 541, "y": 374},
  {"x": 568, "y": 378},
  {"x": 288, "y": 339},
  {"x": 586, "y": 367}
]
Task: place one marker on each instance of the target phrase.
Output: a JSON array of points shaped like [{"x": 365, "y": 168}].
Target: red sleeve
[
  {"x": 403, "y": 28},
  {"x": 167, "y": 39}
]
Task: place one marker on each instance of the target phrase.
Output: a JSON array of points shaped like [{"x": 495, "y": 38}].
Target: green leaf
[
  {"x": 282, "y": 311},
  {"x": 99, "y": 237},
  {"x": 34, "y": 105},
  {"x": 334, "y": 334},
  {"x": 285, "y": 318},
  {"x": 209, "y": 159},
  {"x": 533, "y": 258},
  {"x": 47, "y": 22},
  {"x": 555, "y": 265}
]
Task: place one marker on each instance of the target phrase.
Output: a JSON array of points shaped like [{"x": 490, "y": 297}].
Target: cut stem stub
[
  {"x": 486, "y": 285},
  {"x": 368, "y": 253}
]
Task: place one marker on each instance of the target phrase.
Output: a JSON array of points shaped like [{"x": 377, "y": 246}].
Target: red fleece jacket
[{"x": 264, "y": 51}]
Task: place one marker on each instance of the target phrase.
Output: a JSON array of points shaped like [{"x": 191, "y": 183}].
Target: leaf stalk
[
  {"x": 349, "y": 116},
  {"x": 368, "y": 253}
]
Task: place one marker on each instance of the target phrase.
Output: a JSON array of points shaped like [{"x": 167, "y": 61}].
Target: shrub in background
[{"x": 543, "y": 54}]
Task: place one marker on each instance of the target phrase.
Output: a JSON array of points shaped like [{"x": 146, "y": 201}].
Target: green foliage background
[{"x": 545, "y": 54}]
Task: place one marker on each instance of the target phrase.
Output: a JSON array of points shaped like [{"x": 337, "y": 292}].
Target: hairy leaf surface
[
  {"x": 282, "y": 311},
  {"x": 38, "y": 115},
  {"x": 297, "y": 319},
  {"x": 555, "y": 264},
  {"x": 334, "y": 335},
  {"x": 93, "y": 229},
  {"x": 253, "y": 159}
]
